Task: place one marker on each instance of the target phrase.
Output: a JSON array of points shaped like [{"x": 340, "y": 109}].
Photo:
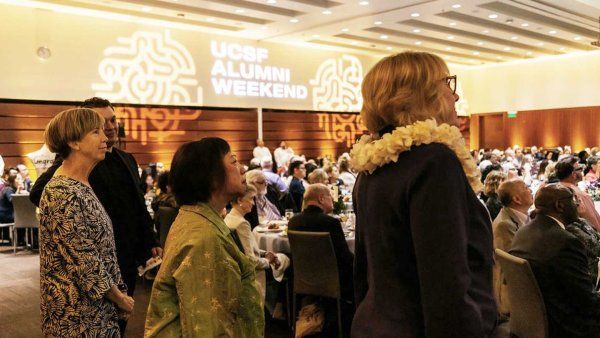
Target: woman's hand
[
  {"x": 125, "y": 303},
  {"x": 272, "y": 258},
  {"x": 122, "y": 301}
]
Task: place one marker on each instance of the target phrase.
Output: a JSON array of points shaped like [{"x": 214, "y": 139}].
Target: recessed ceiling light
[
  {"x": 354, "y": 43},
  {"x": 506, "y": 48},
  {"x": 456, "y": 6},
  {"x": 146, "y": 9},
  {"x": 210, "y": 19},
  {"x": 577, "y": 38},
  {"x": 345, "y": 29},
  {"x": 493, "y": 16},
  {"x": 525, "y": 24},
  {"x": 418, "y": 42},
  {"x": 514, "y": 37},
  {"x": 552, "y": 32},
  {"x": 448, "y": 48},
  {"x": 452, "y": 24},
  {"x": 562, "y": 48},
  {"x": 388, "y": 48},
  {"x": 450, "y": 37},
  {"x": 416, "y": 31},
  {"x": 499, "y": 57},
  {"x": 485, "y": 31},
  {"x": 529, "y": 53},
  {"x": 264, "y": 28},
  {"x": 294, "y": 20},
  {"x": 316, "y": 36},
  {"x": 239, "y": 10},
  {"x": 476, "y": 53},
  {"x": 364, "y": 3},
  {"x": 480, "y": 43},
  {"x": 327, "y": 12},
  {"x": 415, "y": 15},
  {"x": 271, "y": 1},
  {"x": 540, "y": 44},
  {"x": 377, "y": 23},
  {"x": 383, "y": 37}
]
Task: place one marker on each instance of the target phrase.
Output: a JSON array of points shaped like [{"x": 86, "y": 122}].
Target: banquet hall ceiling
[{"x": 470, "y": 32}]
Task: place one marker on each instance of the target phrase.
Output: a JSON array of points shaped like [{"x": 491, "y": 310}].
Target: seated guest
[
  {"x": 6, "y": 206},
  {"x": 24, "y": 172},
  {"x": 297, "y": 171},
  {"x": 261, "y": 152},
  {"x": 592, "y": 174},
  {"x": 559, "y": 263},
  {"x": 346, "y": 175},
  {"x": 516, "y": 199},
  {"x": 205, "y": 286},
  {"x": 273, "y": 179},
  {"x": 318, "y": 176},
  {"x": 570, "y": 172},
  {"x": 165, "y": 198},
  {"x": 317, "y": 204},
  {"x": 591, "y": 242},
  {"x": 491, "y": 184},
  {"x": 333, "y": 173},
  {"x": 269, "y": 205}
]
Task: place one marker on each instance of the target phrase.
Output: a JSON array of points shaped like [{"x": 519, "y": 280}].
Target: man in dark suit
[
  {"x": 317, "y": 204},
  {"x": 559, "y": 263},
  {"x": 116, "y": 183}
]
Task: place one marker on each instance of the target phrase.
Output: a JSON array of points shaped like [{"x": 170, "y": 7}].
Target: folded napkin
[{"x": 284, "y": 264}]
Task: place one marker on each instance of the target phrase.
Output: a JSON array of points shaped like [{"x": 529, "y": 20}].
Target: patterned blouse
[{"x": 78, "y": 264}]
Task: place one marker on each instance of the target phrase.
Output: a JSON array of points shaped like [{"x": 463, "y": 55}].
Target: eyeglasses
[{"x": 451, "y": 83}]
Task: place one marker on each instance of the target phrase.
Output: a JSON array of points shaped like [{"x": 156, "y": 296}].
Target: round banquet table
[{"x": 276, "y": 242}]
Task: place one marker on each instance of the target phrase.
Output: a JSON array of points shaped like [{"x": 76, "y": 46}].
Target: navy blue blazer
[{"x": 424, "y": 250}]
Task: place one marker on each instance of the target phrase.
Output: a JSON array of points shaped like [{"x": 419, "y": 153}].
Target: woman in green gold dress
[{"x": 205, "y": 286}]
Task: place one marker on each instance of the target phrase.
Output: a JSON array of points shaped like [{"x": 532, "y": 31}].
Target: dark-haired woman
[{"x": 206, "y": 285}]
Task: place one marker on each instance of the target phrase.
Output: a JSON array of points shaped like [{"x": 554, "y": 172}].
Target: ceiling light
[
  {"x": 388, "y": 48},
  {"x": 525, "y": 24},
  {"x": 476, "y": 53},
  {"x": 415, "y": 15},
  {"x": 448, "y": 48},
  {"x": 480, "y": 43},
  {"x": 507, "y": 48},
  {"x": 210, "y": 19},
  {"x": 493, "y": 16},
  {"x": 485, "y": 31},
  {"x": 418, "y": 42},
  {"x": 456, "y": 6},
  {"x": 377, "y": 23},
  {"x": 364, "y": 3},
  {"x": 450, "y": 37},
  {"x": 316, "y": 36},
  {"x": 452, "y": 24},
  {"x": 239, "y": 10},
  {"x": 514, "y": 38},
  {"x": 552, "y": 32},
  {"x": 529, "y": 53},
  {"x": 577, "y": 38},
  {"x": 562, "y": 48},
  {"x": 499, "y": 57},
  {"x": 327, "y": 12},
  {"x": 264, "y": 28},
  {"x": 383, "y": 37},
  {"x": 146, "y": 9},
  {"x": 416, "y": 31},
  {"x": 540, "y": 44},
  {"x": 294, "y": 20},
  {"x": 354, "y": 43},
  {"x": 345, "y": 29},
  {"x": 271, "y": 1}
]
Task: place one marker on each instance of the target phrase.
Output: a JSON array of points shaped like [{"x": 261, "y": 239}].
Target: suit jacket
[
  {"x": 505, "y": 227},
  {"x": 134, "y": 236},
  {"x": 314, "y": 219},
  {"x": 423, "y": 251},
  {"x": 559, "y": 264}
]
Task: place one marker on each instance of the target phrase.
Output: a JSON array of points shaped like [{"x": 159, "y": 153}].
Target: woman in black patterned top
[{"x": 79, "y": 274}]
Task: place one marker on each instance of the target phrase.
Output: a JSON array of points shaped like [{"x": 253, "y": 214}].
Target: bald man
[
  {"x": 516, "y": 199},
  {"x": 559, "y": 263}
]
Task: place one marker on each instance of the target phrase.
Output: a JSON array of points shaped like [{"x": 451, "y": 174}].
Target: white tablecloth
[{"x": 273, "y": 241}]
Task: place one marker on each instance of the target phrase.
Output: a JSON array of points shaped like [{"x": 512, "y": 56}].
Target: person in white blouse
[
  {"x": 261, "y": 152},
  {"x": 283, "y": 154}
]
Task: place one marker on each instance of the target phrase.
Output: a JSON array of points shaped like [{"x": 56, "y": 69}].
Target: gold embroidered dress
[{"x": 205, "y": 286}]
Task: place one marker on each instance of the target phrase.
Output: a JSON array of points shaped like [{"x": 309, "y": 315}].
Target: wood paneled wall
[
  {"x": 153, "y": 133},
  {"x": 313, "y": 134},
  {"x": 578, "y": 127}
]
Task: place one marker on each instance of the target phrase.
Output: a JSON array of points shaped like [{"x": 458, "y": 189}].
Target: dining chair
[{"x": 25, "y": 216}]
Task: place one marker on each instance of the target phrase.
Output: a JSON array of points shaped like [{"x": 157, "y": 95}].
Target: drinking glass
[{"x": 289, "y": 213}]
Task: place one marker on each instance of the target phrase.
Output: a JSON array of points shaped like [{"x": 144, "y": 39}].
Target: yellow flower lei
[{"x": 369, "y": 153}]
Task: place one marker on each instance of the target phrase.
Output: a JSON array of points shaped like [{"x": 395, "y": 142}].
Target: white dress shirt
[{"x": 262, "y": 153}]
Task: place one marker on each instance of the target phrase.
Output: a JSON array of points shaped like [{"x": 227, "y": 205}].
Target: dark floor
[{"x": 20, "y": 300}]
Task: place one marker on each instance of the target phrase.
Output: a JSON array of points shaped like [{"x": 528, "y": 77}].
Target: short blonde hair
[
  {"x": 70, "y": 126},
  {"x": 318, "y": 176},
  {"x": 402, "y": 89},
  {"x": 492, "y": 182},
  {"x": 250, "y": 192}
]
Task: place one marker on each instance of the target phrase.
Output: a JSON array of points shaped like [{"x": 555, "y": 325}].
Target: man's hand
[{"x": 157, "y": 252}]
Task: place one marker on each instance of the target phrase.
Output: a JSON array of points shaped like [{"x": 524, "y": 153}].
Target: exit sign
[{"x": 512, "y": 114}]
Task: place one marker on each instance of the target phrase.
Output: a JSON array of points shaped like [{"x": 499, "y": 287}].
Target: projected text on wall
[{"x": 239, "y": 70}]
